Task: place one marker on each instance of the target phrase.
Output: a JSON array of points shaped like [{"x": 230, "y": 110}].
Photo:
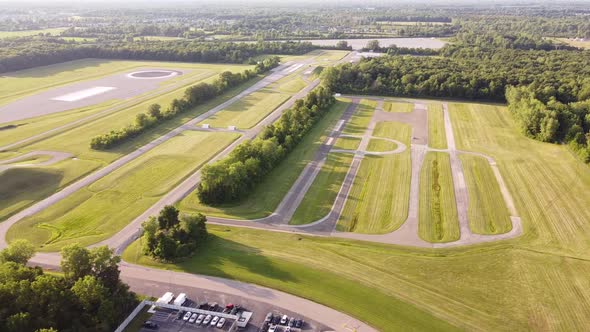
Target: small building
[
  {"x": 205, "y": 126},
  {"x": 231, "y": 128},
  {"x": 244, "y": 319}
]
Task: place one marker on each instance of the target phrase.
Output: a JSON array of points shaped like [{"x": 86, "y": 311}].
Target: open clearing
[
  {"x": 318, "y": 200},
  {"x": 24, "y": 33},
  {"x": 487, "y": 211},
  {"x": 361, "y": 118},
  {"x": 248, "y": 111},
  {"x": 347, "y": 143},
  {"x": 379, "y": 198},
  {"x": 380, "y": 145},
  {"x": 265, "y": 198},
  {"x": 438, "y": 211},
  {"x": 436, "y": 128},
  {"x": 109, "y": 204}
]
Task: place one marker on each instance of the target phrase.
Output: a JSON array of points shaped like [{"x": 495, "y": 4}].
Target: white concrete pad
[{"x": 83, "y": 94}]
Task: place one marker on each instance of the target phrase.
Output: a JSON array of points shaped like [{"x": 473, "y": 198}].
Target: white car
[
  {"x": 193, "y": 318},
  {"x": 214, "y": 321},
  {"x": 221, "y": 323},
  {"x": 200, "y": 319},
  {"x": 187, "y": 316},
  {"x": 207, "y": 319},
  {"x": 284, "y": 319},
  {"x": 272, "y": 328}
]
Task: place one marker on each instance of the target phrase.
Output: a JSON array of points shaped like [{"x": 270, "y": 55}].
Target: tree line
[
  {"x": 88, "y": 297},
  {"x": 29, "y": 52},
  {"x": 193, "y": 96},
  {"x": 169, "y": 237},
  {"x": 232, "y": 178}
]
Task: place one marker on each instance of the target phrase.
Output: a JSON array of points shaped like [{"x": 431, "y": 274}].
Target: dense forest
[
  {"x": 88, "y": 297},
  {"x": 28, "y": 52},
  {"x": 234, "y": 177},
  {"x": 551, "y": 103}
]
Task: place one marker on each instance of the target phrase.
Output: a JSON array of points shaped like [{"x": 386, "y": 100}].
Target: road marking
[{"x": 83, "y": 94}]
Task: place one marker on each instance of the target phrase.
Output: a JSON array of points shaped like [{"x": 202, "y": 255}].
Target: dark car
[
  {"x": 276, "y": 319},
  {"x": 264, "y": 327},
  {"x": 179, "y": 315},
  {"x": 204, "y": 305},
  {"x": 299, "y": 323},
  {"x": 214, "y": 306},
  {"x": 291, "y": 322},
  {"x": 150, "y": 325}
]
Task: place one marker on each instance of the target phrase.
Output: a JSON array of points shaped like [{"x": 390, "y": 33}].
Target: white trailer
[
  {"x": 180, "y": 299},
  {"x": 164, "y": 299}
]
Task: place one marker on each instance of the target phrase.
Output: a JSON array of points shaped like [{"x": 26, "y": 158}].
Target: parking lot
[{"x": 167, "y": 319}]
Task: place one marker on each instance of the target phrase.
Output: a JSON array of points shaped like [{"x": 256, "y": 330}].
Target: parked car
[
  {"x": 207, "y": 319},
  {"x": 221, "y": 323},
  {"x": 204, "y": 305},
  {"x": 264, "y": 327},
  {"x": 299, "y": 323},
  {"x": 179, "y": 315},
  {"x": 276, "y": 319},
  {"x": 284, "y": 320},
  {"x": 214, "y": 307},
  {"x": 150, "y": 325},
  {"x": 291, "y": 322},
  {"x": 187, "y": 316},
  {"x": 269, "y": 317},
  {"x": 288, "y": 329},
  {"x": 214, "y": 321},
  {"x": 272, "y": 328},
  {"x": 200, "y": 319},
  {"x": 193, "y": 318}
]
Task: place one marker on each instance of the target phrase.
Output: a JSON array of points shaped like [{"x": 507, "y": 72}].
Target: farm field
[
  {"x": 391, "y": 106},
  {"x": 379, "y": 198},
  {"x": 318, "y": 200},
  {"x": 24, "y": 33},
  {"x": 575, "y": 42},
  {"x": 18, "y": 84},
  {"x": 438, "y": 221},
  {"x": 106, "y": 206},
  {"x": 248, "y": 111},
  {"x": 347, "y": 143},
  {"x": 267, "y": 195},
  {"x": 487, "y": 211},
  {"x": 436, "y": 127}
]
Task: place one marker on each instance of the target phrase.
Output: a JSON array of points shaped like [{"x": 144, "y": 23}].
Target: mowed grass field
[
  {"x": 392, "y": 106},
  {"x": 77, "y": 142},
  {"x": 550, "y": 187},
  {"x": 103, "y": 208},
  {"x": 347, "y": 143},
  {"x": 379, "y": 198},
  {"x": 248, "y": 111},
  {"x": 487, "y": 211},
  {"x": 438, "y": 221},
  {"x": 320, "y": 197},
  {"x": 24, "y": 33},
  {"x": 537, "y": 281},
  {"x": 264, "y": 199},
  {"x": 380, "y": 145},
  {"x": 437, "y": 138},
  {"x": 358, "y": 123}
]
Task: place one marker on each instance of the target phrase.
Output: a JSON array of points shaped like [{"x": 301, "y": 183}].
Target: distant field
[
  {"x": 390, "y": 106},
  {"x": 347, "y": 143},
  {"x": 436, "y": 127},
  {"x": 103, "y": 208},
  {"x": 575, "y": 42},
  {"x": 379, "y": 198},
  {"x": 438, "y": 221},
  {"x": 248, "y": 111},
  {"x": 487, "y": 211},
  {"x": 267, "y": 195},
  {"x": 24, "y": 33},
  {"x": 320, "y": 197}
]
